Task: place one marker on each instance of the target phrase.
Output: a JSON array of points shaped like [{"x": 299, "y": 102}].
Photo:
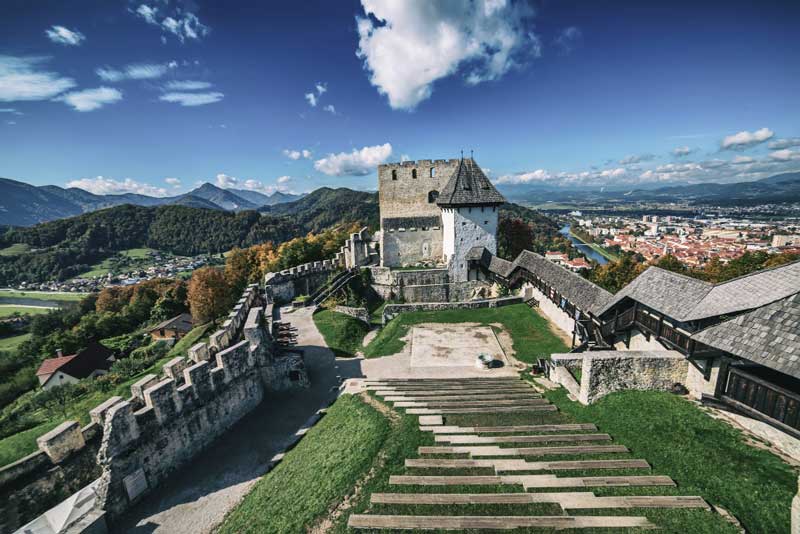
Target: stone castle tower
[{"x": 437, "y": 211}]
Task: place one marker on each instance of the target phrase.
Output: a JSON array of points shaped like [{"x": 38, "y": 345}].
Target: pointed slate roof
[{"x": 469, "y": 187}]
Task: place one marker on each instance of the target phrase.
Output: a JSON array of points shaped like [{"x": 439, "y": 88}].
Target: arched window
[
  {"x": 433, "y": 172},
  {"x": 432, "y": 196},
  {"x": 413, "y": 173},
  {"x": 394, "y": 174}
]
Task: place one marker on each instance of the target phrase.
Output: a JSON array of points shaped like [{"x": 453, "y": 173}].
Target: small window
[
  {"x": 414, "y": 173},
  {"x": 432, "y": 196},
  {"x": 394, "y": 174},
  {"x": 485, "y": 222},
  {"x": 433, "y": 172}
]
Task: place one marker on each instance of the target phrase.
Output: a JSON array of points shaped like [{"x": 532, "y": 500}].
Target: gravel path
[{"x": 197, "y": 498}]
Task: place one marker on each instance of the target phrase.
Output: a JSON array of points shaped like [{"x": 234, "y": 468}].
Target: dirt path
[{"x": 197, "y": 498}]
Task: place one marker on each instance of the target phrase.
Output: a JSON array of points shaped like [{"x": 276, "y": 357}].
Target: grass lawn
[
  {"x": 316, "y": 474},
  {"x": 704, "y": 456},
  {"x": 16, "y": 446},
  {"x": 11, "y": 343},
  {"x": 530, "y": 332},
  {"x": 405, "y": 438},
  {"x": 342, "y": 333},
  {"x": 124, "y": 260},
  {"x": 7, "y": 310},
  {"x": 15, "y": 250},
  {"x": 42, "y": 295}
]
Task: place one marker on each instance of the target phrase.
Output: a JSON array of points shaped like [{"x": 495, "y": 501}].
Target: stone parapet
[{"x": 390, "y": 311}]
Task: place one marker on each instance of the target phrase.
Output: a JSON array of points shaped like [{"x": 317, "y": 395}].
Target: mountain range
[
  {"x": 781, "y": 188},
  {"x": 22, "y": 204}
]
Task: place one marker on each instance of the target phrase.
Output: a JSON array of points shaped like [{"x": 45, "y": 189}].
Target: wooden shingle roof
[
  {"x": 469, "y": 186},
  {"x": 768, "y": 335}
]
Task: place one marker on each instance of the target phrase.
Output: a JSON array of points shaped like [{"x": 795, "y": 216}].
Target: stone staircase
[
  {"x": 338, "y": 282},
  {"x": 533, "y": 458}
]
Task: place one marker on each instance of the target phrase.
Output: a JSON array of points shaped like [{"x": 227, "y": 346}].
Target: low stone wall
[
  {"x": 390, "y": 311},
  {"x": 557, "y": 316},
  {"x": 286, "y": 285},
  {"x": 362, "y": 314},
  {"x": 604, "y": 372},
  {"x": 423, "y": 285},
  {"x": 65, "y": 462}
]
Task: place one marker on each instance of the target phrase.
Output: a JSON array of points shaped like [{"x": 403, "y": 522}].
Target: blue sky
[{"x": 156, "y": 96}]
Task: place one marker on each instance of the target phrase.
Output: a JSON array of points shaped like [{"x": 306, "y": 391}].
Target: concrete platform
[{"x": 453, "y": 345}]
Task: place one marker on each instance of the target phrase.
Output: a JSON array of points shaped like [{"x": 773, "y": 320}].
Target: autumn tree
[
  {"x": 209, "y": 294},
  {"x": 615, "y": 275},
  {"x": 240, "y": 268},
  {"x": 513, "y": 236}
]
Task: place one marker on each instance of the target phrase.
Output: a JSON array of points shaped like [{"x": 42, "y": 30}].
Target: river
[{"x": 585, "y": 249}]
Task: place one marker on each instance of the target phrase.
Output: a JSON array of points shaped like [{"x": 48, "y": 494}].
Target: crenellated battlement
[{"x": 418, "y": 163}]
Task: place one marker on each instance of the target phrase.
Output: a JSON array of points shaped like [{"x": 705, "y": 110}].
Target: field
[
  {"x": 7, "y": 310},
  {"x": 41, "y": 295},
  {"x": 343, "y": 334},
  {"x": 530, "y": 332},
  {"x": 351, "y": 447},
  {"x": 15, "y": 250},
  {"x": 11, "y": 343},
  {"x": 18, "y": 445}
]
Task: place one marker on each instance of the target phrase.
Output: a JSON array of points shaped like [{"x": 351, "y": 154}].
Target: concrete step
[
  {"x": 505, "y": 429},
  {"x": 583, "y": 500},
  {"x": 488, "y": 396},
  {"x": 484, "y": 523},
  {"x": 479, "y": 451},
  {"x": 462, "y": 393},
  {"x": 539, "y": 438},
  {"x": 482, "y": 402},
  {"x": 505, "y": 466},
  {"x": 484, "y": 410},
  {"x": 533, "y": 481}
]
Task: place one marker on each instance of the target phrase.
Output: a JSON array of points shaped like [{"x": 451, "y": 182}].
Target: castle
[{"x": 437, "y": 212}]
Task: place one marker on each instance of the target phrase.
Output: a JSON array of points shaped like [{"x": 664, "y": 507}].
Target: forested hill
[
  {"x": 64, "y": 248},
  {"x": 326, "y": 207}
]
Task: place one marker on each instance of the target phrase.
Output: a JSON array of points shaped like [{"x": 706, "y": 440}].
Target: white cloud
[
  {"x": 108, "y": 186},
  {"x": 11, "y": 111},
  {"x": 64, "y": 36},
  {"x": 297, "y": 154},
  {"x": 321, "y": 87},
  {"x": 224, "y": 181},
  {"x": 11, "y": 123},
  {"x": 187, "y": 85},
  {"x": 569, "y": 39},
  {"x": 355, "y": 163},
  {"x": 630, "y": 160},
  {"x": 136, "y": 71},
  {"x": 785, "y": 155},
  {"x": 181, "y": 23},
  {"x": 746, "y": 139},
  {"x": 789, "y": 142},
  {"x": 174, "y": 182},
  {"x": 312, "y": 99},
  {"x": 682, "y": 151},
  {"x": 20, "y": 80},
  {"x": 283, "y": 179},
  {"x": 192, "y": 99},
  {"x": 91, "y": 99},
  {"x": 539, "y": 175},
  {"x": 417, "y": 43},
  {"x": 330, "y": 109},
  {"x": 740, "y": 160}
]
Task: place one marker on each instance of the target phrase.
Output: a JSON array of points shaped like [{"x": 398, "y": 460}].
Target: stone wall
[
  {"x": 548, "y": 308},
  {"x": 170, "y": 420},
  {"x": 173, "y": 417},
  {"x": 402, "y": 195},
  {"x": 639, "y": 341},
  {"x": 408, "y": 246},
  {"x": 464, "y": 229},
  {"x": 390, "y": 311},
  {"x": 304, "y": 279},
  {"x": 65, "y": 462},
  {"x": 696, "y": 381},
  {"x": 604, "y": 372},
  {"x": 422, "y": 285},
  {"x": 362, "y": 314}
]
